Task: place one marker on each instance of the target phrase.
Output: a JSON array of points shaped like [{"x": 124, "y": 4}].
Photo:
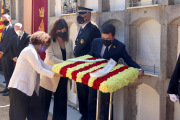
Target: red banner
[{"x": 40, "y": 18}]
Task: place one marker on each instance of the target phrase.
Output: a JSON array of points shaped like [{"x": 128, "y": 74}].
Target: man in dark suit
[
  {"x": 83, "y": 44},
  {"x": 7, "y": 63},
  {"x": 174, "y": 88},
  {"x": 107, "y": 47},
  {"x": 18, "y": 42}
]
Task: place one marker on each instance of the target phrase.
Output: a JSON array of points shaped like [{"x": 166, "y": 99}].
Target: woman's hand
[{"x": 58, "y": 75}]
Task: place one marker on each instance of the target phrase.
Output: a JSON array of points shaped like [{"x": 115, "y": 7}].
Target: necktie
[
  {"x": 80, "y": 31},
  {"x": 106, "y": 53},
  {"x": 4, "y": 31},
  {"x": 18, "y": 41}
]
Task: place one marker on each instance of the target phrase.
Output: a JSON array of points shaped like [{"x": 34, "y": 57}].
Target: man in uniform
[{"x": 83, "y": 43}]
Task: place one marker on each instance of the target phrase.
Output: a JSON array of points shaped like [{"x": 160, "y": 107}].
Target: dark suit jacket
[
  {"x": 84, "y": 40},
  {"x": 24, "y": 42},
  {"x": 174, "y": 82},
  {"x": 5, "y": 40},
  {"x": 116, "y": 52}
]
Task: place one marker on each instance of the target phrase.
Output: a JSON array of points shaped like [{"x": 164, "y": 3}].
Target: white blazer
[
  {"x": 26, "y": 74},
  {"x": 54, "y": 56}
]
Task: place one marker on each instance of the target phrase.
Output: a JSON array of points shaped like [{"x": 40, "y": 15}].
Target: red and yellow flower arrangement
[{"x": 117, "y": 78}]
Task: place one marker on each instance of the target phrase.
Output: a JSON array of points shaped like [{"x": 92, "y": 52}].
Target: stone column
[
  {"x": 127, "y": 3},
  {"x": 52, "y": 7},
  {"x": 81, "y": 3},
  {"x": 126, "y": 37},
  {"x": 100, "y": 5},
  {"x": 171, "y": 2},
  {"x": 163, "y": 108},
  {"x": 13, "y": 9},
  {"x": 163, "y": 51},
  {"x": 166, "y": 2},
  {"x": 130, "y": 107},
  {"x": 105, "y": 5},
  {"x": 20, "y": 13},
  {"x": 133, "y": 31},
  {"x": 172, "y": 41},
  {"x": 169, "y": 109}
]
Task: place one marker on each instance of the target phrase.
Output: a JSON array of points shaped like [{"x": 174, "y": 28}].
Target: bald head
[{"x": 18, "y": 28}]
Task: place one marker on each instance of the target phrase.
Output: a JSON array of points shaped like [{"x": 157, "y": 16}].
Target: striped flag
[
  {"x": 41, "y": 27},
  {"x": 1, "y": 22}
]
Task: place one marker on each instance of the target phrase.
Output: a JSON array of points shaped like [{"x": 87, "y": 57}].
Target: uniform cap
[{"x": 83, "y": 10}]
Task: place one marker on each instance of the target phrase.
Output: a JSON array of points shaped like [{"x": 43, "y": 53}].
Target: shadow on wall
[{"x": 119, "y": 29}]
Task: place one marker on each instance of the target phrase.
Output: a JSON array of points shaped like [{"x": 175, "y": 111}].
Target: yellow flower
[
  {"x": 119, "y": 80},
  {"x": 57, "y": 67},
  {"x": 110, "y": 85},
  {"x": 70, "y": 70},
  {"x": 81, "y": 74},
  {"x": 91, "y": 80}
]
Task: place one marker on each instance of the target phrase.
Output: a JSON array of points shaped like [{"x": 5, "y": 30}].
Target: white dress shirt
[
  {"x": 21, "y": 35},
  {"x": 8, "y": 26},
  {"x": 79, "y": 31},
  {"x": 83, "y": 27}
]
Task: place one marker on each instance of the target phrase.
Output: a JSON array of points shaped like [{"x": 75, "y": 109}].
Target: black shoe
[
  {"x": 4, "y": 81},
  {"x": 6, "y": 94},
  {"x": 4, "y": 91}
]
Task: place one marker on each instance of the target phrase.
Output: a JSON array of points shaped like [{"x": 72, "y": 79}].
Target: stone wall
[{"x": 168, "y": 16}]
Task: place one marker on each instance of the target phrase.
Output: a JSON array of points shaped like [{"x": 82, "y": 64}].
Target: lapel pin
[
  {"x": 114, "y": 46},
  {"x": 82, "y": 41}
]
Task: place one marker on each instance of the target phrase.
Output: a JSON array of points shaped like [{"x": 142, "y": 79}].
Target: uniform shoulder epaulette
[{"x": 94, "y": 26}]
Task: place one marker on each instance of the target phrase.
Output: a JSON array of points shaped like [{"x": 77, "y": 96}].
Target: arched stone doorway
[
  {"x": 73, "y": 30},
  {"x": 145, "y": 40},
  {"x": 148, "y": 103},
  {"x": 119, "y": 29}
]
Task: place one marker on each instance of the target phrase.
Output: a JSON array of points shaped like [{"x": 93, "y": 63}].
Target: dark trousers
[
  {"x": 8, "y": 68},
  {"x": 92, "y": 104},
  {"x": 83, "y": 93},
  {"x": 60, "y": 100},
  {"x": 23, "y": 106}
]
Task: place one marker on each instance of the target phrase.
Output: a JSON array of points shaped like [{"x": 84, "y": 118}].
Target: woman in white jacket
[
  {"x": 61, "y": 49},
  {"x": 24, "y": 83}
]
